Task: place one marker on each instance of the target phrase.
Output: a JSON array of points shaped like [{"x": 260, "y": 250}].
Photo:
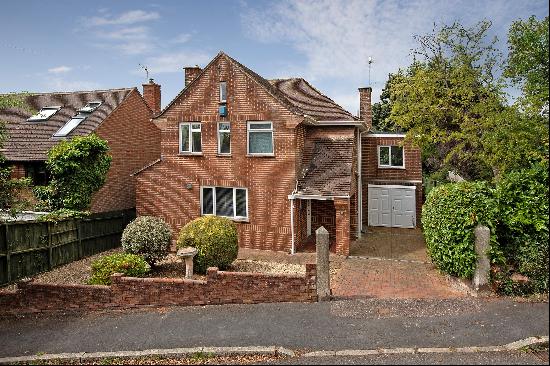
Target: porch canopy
[{"x": 323, "y": 191}]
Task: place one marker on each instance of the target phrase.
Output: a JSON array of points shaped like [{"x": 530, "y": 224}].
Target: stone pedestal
[
  {"x": 483, "y": 264},
  {"x": 323, "y": 267},
  {"x": 187, "y": 253}
]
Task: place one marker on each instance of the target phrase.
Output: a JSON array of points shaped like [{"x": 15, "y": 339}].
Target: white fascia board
[
  {"x": 391, "y": 186},
  {"x": 390, "y": 135},
  {"x": 314, "y": 197}
]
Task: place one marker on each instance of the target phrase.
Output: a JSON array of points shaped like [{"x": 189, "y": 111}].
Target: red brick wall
[
  {"x": 18, "y": 171},
  {"x": 125, "y": 292},
  {"x": 323, "y": 214},
  {"x": 371, "y": 173},
  {"x": 134, "y": 142},
  {"x": 162, "y": 191}
]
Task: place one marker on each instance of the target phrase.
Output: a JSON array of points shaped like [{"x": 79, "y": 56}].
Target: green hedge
[
  {"x": 147, "y": 236},
  {"x": 449, "y": 216},
  {"x": 128, "y": 264},
  {"x": 215, "y": 239},
  {"x": 523, "y": 229}
]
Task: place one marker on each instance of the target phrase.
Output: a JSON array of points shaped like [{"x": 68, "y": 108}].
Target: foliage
[
  {"x": 10, "y": 189},
  {"x": 215, "y": 239},
  {"x": 147, "y": 236},
  {"x": 448, "y": 95},
  {"x": 381, "y": 111},
  {"x": 63, "y": 214},
  {"x": 527, "y": 64},
  {"x": 130, "y": 265},
  {"x": 523, "y": 229},
  {"x": 78, "y": 169},
  {"x": 449, "y": 216}
]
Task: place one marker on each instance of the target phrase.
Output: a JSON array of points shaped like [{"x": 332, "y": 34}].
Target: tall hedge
[
  {"x": 449, "y": 216},
  {"x": 523, "y": 229},
  {"x": 215, "y": 239}
]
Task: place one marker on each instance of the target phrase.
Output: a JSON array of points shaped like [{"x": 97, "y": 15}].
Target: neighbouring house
[
  {"x": 277, "y": 157},
  {"x": 120, "y": 116}
]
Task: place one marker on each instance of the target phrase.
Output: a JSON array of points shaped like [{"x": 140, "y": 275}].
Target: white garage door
[{"x": 392, "y": 206}]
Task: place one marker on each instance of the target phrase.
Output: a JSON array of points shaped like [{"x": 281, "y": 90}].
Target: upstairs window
[
  {"x": 391, "y": 156},
  {"x": 224, "y": 138},
  {"x": 223, "y": 92},
  {"x": 225, "y": 201},
  {"x": 260, "y": 138},
  {"x": 90, "y": 107},
  {"x": 190, "y": 137},
  {"x": 44, "y": 114}
]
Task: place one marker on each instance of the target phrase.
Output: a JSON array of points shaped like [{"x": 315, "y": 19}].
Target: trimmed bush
[
  {"x": 128, "y": 264},
  {"x": 523, "y": 229},
  {"x": 147, "y": 236},
  {"x": 449, "y": 216},
  {"x": 215, "y": 239}
]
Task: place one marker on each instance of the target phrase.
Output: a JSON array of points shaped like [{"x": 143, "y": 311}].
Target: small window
[
  {"x": 223, "y": 92},
  {"x": 224, "y": 201},
  {"x": 44, "y": 114},
  {"x": 190, "y": 137},
  {"x": 71, "y": 125},
  {"x": 224, "y": 138},
  {"x": 391, "y": 156},
  {"x": 90, "y": 107},
  {"x": 260, "y": 138}
]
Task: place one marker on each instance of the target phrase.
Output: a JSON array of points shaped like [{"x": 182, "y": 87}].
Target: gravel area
[{"x": 78, "y": 272}]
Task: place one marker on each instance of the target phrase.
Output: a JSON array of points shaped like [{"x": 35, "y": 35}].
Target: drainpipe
[{"x": 291, "y": 198}]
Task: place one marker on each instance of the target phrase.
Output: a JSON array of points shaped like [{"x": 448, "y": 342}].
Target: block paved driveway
[{"x": 391, "y": 263}]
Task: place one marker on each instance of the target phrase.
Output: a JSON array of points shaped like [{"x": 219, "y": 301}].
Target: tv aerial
[
  {"x": 146, "y": 70},
  {"x": 370, "y": 63}
]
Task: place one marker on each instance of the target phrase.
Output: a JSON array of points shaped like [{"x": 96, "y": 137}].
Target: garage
[{"x": 392, "y": 206}]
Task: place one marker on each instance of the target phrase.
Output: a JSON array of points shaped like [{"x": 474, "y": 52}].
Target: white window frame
[
  {"x": 223, "y": 100},
  {"x": 220, "y": 140},
  {"x": 41, "y": 116},
  {"x": 390, "y": 166},
  {"x": 191, "y": 130},
  {"x": 234, "y": 217},
  {"x": 249, "y": 123}
]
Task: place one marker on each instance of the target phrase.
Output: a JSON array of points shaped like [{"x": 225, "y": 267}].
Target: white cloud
[
  {"x": 61, "y": 84},
  {"x": 59, "y": 70},
  {"x": 129, "y": 17},
  {"x": 182, "y": 38},
  {"x": 174, "y": 62},
  {"x": 336, "y": 37}
]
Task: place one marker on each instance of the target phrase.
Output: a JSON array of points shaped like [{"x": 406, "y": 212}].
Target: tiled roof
[
  {"x": 327, "y": 168},
  {"x": 310, "y": 101},
  {"x": 31, "y": 140},
  {"x": 296, "y": 94}
]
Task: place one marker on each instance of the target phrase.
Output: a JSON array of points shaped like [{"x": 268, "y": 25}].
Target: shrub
[
  {"x": 128, "y": 264},
  {"x": 215, "y": 239},
  {"x": 78, "y": 169},
  {"x": 523, "y": 229},
  {"x": 147, "y": 236},
  {"x": 449, "y": 216}
]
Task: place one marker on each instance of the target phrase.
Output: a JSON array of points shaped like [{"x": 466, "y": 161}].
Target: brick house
[
  {"x": 120, "y": 116},
  {"x": 276, "y": 156}
]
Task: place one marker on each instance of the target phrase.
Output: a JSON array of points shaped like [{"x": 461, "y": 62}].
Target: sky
[{"x": 68, "y": 45}]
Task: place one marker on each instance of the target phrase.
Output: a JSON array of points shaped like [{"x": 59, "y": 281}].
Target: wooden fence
[{"x": 31, "y": 247}]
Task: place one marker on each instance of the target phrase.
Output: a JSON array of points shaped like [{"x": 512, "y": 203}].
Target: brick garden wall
[
  {"x": 371, "y": 173},
  {"x": 162, "y": 188},
  {"x": 126, "y": 292},
  {"x": 134, "y": 141}
]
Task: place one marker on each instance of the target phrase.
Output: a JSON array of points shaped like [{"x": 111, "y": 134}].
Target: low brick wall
[{"x": 128, "y": 292}]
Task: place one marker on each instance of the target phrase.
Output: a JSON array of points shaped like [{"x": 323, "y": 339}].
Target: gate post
[
  {"x": 323, "y": 267},
  {"x": 483, "y": 264}
]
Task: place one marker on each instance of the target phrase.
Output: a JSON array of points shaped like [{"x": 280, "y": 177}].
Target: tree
[
  {"x": 448, "y": 97},
  {"x": 381, "y": 111},
  {"x": 527, "y": 64},
  {"x": 78, "y": 169},
  {"x": 10, "y": 188}
]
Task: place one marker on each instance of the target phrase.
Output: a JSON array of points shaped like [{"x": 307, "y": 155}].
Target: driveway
[{"x": 392, "y": 263}]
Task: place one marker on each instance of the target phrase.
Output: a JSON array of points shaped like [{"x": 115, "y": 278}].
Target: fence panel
[{"x": 31, "y": 247}]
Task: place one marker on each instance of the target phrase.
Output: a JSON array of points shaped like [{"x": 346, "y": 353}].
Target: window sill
[
  {"x": 223, "y": 155},
  {"x": 260, "y": 155},
  {"x": 392, "y": 167},
  {"x": 190, "y": 154}
]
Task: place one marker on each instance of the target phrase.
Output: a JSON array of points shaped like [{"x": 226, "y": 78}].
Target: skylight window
[
  {"x": 90, "y": 107},
  {"x": 71, "y": 125},
  {"x": 44, "y": 114}
]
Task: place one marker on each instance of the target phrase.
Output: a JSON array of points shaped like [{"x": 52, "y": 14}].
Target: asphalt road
[{"x": 336, "y": 325}]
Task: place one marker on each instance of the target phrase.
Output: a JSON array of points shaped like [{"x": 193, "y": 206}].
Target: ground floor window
[
  {"x": 225, "y": 201},
  {"x": 37, "y": 172}
]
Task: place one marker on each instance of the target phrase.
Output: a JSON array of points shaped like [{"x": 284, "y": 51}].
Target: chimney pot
[
  {"x": 191, "y": 73},
  {"x": 151, "y": 94},
  {"x": 365, "y": 106}
]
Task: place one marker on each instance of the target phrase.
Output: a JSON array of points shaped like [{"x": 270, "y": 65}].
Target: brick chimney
[
  {"x": 365, "y": 106},
  {"x": 191, "y": 73},
  {"x": 151, "y": 94}
]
